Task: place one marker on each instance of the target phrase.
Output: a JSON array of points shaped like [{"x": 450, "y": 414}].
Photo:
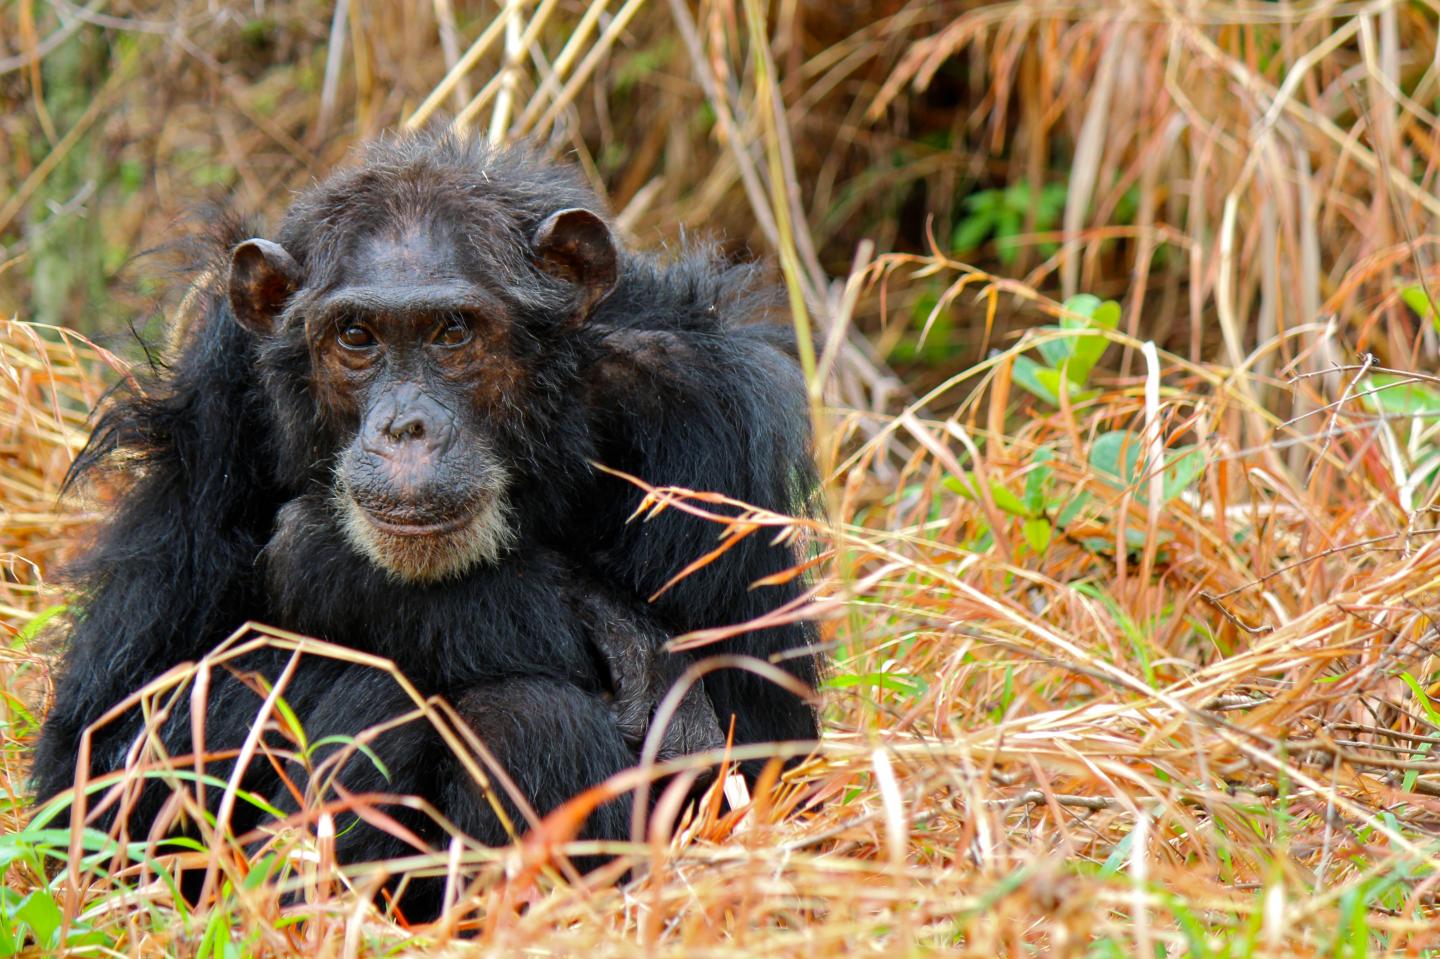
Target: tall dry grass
[{"x": 1144, "y": 666}]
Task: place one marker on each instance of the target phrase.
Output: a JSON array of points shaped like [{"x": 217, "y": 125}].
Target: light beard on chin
[{"x": 432, "y": 557}]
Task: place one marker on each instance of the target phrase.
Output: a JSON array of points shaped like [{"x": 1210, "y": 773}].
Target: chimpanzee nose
[
  {"x": 407, "y": 422},
  {"x": 422, "y": 428}
]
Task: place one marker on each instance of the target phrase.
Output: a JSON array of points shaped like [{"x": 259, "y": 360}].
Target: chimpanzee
[{"x": 380, "y": 428}]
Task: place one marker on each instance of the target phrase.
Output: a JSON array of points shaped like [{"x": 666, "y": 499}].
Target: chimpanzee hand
[{"x": 641, "y": 674}]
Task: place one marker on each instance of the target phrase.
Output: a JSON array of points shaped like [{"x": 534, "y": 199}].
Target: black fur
[
  {"x": 679, "y": 377},
  {"x": 723, "y": 410}
]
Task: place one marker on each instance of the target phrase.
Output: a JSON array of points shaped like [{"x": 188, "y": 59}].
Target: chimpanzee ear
[
  {"x": 575, "y": 245},
  {"x": 262, "y": 277}
]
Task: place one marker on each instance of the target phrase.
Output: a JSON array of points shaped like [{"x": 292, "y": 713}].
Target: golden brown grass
[
  {"x": 1071, "y": 713},
  {"x": 1211, "y": 725}
]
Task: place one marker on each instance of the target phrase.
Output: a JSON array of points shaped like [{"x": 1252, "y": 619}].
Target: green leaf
[
  {"x": 983, "y": 200},
  {"x": 1415, "y": 298},
  {"x": 1183, "y": 468},
  {"x": 1008, "y": 225},
  {"x": 1072, "y": 509},
  {"x": 1007, "y": 500},
  {"x": 1420, "y": 696},
  {"x": 1117, "y": 455},
  {"x": 1052, "y": 380},
  {"x": 1044, "y": 382},
  {"x": 1085, "y": 353},
  {"x": 1194, "y": 930},
  {"x": 1397, "y": 394},
  {"x": 1017, "y": 197},
  {"x": 1353, "y": 936},
  {"x": 1412, "y": 775},
  {"x": 1086, "y": 350},
  {"x": 1055, "y": 351},
  {"x": 1007, "y": 696},
  {"x": 1051, "y": 203},
  {"x": 1129, "y": 204},
  {"x": 1026, "y": 375},
  {"x": 360, "y": 747},
  {"x": 960, "y": 485},
  {"x": 970, "y": 232},
  {"x": 1083, "y": 306},
  {"x": 214, "y": 943},
  {"x": 1106, "y": 316},
  {"x": 1037, "y": 480},
  {"x": 905, "y": 683},
  {"x": 1118, "y": 855},
  {"x": 293, "y": 721},
  {"x": 60, "y": 803},
  {"x": 1003, "y": 498},
  {"x": 923, "y": 306},
  {"x": 40, "y": 912},
  {"x": 1037, "y": 534},
  {"x": 1077, "y": 355}
]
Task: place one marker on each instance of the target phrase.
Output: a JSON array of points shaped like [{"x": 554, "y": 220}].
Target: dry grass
[{"x": 1077, "y": 707}]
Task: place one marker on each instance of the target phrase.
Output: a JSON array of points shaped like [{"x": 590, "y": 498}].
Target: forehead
[
  {"x": 401, "y": 254},
  {"x": 405, "y": 268}
]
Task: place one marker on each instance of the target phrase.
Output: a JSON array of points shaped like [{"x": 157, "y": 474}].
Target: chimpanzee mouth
[{"x": 393, "y": 525}]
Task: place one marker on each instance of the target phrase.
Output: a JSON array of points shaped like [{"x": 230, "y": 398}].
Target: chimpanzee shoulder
[{"x": 697, "y": 288}]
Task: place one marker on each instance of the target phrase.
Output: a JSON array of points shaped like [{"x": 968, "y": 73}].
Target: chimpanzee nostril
[{"x": 406, "y": 428}]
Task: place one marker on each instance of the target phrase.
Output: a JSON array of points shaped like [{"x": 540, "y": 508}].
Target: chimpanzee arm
[
  {"x": 167, "y": 577},
  {"x": 690, "y": 390}
]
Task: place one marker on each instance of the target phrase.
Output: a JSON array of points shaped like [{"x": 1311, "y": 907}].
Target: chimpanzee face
[{"x": 413, "y": 360}]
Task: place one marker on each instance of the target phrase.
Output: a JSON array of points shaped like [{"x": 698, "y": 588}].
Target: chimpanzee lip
[{"x": 403, "y": 526}]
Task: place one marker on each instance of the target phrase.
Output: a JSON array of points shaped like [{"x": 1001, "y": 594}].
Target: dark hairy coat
[{"x": 681, "y": 377}]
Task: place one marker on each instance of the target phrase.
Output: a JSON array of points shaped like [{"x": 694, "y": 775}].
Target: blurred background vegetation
[{"x": 1232, "y": 175}]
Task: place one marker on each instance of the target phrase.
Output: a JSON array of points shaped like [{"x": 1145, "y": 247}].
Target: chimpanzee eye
[
  {"x": 452, "y": 330},
  {"x": 354, "y": 336}
]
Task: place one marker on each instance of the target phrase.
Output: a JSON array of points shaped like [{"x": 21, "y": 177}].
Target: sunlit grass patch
[{"x": 1199, "y": 711}]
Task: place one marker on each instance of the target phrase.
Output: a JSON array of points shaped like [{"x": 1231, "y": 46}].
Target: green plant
[
  {"x": 1418, "y": 299},
  {"x": 1000, "y": 214},
  {"x": 1069, "y": 359},
  {"x": 1116, "y": 456}
]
